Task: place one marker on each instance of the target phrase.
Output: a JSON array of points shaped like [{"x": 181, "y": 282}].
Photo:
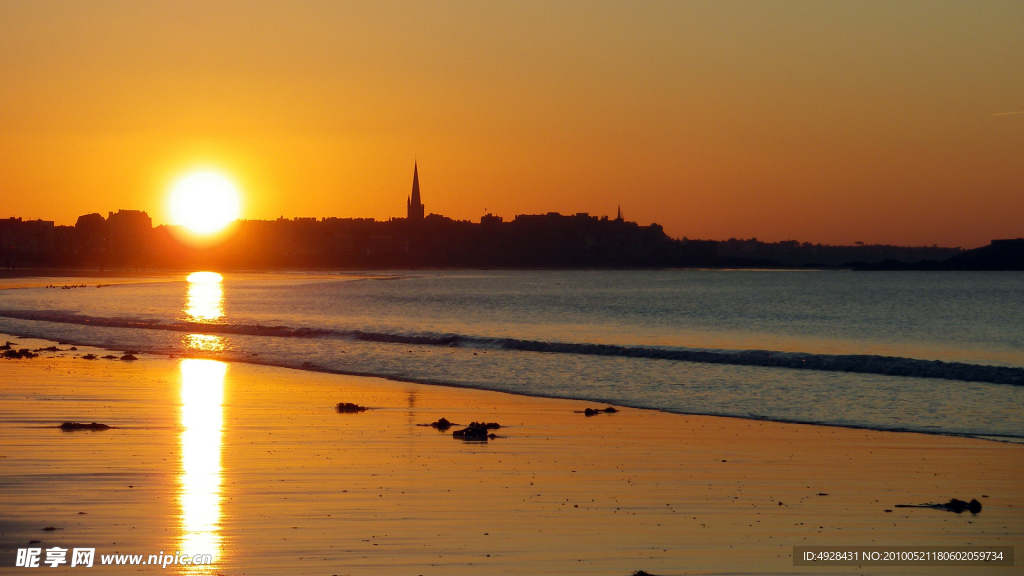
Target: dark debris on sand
[
  {"x": 477, "y": 431},
  {"x": 18, "y": 354},
  {"x": 73, "y": 426},
  {"x": 595, "y": 411},
  {"x": 49, "y": 349},
  {"x": 953, "y": 505},
  {"x": 349, "y": 408},
  {"x": 129, "y": 356},
  {"x": 442, "y": 424}
]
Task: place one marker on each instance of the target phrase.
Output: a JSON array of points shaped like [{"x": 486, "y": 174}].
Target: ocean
[{"x": 910, "y": 351}]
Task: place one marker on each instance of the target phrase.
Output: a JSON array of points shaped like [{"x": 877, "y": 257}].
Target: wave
[{"x": 856, "y": 363}]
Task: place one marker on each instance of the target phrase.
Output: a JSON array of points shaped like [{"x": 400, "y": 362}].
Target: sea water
[{"x": 929, "y": 352}]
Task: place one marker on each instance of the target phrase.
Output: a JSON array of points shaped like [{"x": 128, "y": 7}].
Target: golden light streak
[
  {"x": 204, "y": 302},
  {"x": 202, "y": 421}
]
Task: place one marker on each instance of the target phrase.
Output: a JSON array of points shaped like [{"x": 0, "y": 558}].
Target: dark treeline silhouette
[
  {"x": 127, "y": 239},
  {"x": 793, "y": 253}
]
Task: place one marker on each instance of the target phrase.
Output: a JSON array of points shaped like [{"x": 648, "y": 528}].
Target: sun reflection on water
[
  {"x": 204, "y": 303},
  {"x": 203, "y": 342},
  {"x": 202, "y": 417},
  {"x": 204, "y": 298}
]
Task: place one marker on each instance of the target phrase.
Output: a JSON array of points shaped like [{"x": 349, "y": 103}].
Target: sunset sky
[{"x": 834, "y": 122}]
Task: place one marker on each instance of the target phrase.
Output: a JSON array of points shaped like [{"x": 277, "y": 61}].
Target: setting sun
[{"x": 204, "y": 202}]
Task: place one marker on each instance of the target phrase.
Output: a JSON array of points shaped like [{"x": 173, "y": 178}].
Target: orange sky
[{"x": 817, "y": 121}]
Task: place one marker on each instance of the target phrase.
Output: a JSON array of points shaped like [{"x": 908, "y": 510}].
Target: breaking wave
[{"x": 856, "y": 363}]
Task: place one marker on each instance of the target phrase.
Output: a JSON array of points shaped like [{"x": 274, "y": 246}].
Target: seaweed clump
[
  {"x": 595, "y": 411},
  {"x": 73, "y": 426},
  {"x": 477, "y": 431}
]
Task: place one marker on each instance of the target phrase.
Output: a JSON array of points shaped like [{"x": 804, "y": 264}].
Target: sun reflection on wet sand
[
  {"x": 204, "y": 303},
  {"x": 202, "y": 395}
]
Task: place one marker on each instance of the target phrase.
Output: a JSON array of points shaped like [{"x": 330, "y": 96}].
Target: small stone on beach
[{"x": 349, "y": 408}]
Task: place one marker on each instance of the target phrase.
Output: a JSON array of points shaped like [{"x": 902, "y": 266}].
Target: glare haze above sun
[{"x": 204, "y": 202}]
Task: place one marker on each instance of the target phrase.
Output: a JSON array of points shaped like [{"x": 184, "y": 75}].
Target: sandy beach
[
  {"x": 254, "y": 464},
  {"x": 682, "y": 287}
]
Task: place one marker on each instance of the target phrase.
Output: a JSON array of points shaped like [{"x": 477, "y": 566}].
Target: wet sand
[{"x": 254, "y": 464}]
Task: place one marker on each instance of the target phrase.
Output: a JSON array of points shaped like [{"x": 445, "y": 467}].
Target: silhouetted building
[
  {"x": 91, "y": 237},
  {"x": 24, "y": 236},
  {"x": 27, "y": 241},
  {"x": 413, "y": 206},
  {"x": 129, "y": 236}
]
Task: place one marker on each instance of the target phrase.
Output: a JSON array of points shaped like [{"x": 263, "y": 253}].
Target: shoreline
[
  {"x": 857, "y": 268},
  {"x": 1004, "y": 439},
  {"x": 562, "y": 492},
  {"x": 162, "y": 275},
  {"x": 876, "y": 364}
]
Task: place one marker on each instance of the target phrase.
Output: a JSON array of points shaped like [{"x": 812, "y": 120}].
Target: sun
[{"x": 204, "y": 202}]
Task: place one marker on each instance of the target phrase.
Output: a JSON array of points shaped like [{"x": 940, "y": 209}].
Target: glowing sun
[{"x": 204, "y": 202}]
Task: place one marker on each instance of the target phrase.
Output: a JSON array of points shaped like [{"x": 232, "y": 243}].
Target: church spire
[
  {"x": 415, "y": 185},
  {"x": 414, "y": 207}
]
